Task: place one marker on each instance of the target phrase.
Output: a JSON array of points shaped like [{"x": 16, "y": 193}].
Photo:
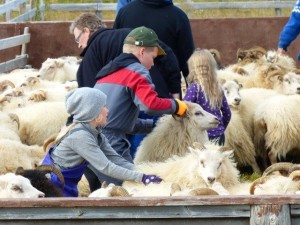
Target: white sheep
[
  {"x": 18, "y": 74},
  {"x": 40, "y": 120},
  {"x": 271, "y": 183},
  {"x": 268, "y": 76},
  {"x": 15, "y": 154},
  {"x": 276, "y": 126},
  {"x": 200, "y": 168},
  {"x": 173, "y": 134},
  {"x": 240, "y": 141},
  {"x": 16, "y": 186},
  {"x": 9, "y": 126},
  {"x": 280, "y": 59},
  {"x": 59, "y": 69}
]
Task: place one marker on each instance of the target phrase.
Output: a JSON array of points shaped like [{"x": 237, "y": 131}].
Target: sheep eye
[
  {"x": 17, "y": 188},
  {"x": 219, "y": 165},
  {"x": 198, "y": 113},
  {"x": 202, "y": 163}
]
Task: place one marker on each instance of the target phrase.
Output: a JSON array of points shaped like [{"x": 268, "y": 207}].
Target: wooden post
[
  {"x": 24, "y": 46},
  {"x": 277, "y": 10},
  {"x": 8, "y": 13},
  {"x": 270, "y": 214}
]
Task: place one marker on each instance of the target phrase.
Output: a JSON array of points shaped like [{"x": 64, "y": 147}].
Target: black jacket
[
  {"x": 170, "y": 23},
  {"x": 106, "y": 44}
]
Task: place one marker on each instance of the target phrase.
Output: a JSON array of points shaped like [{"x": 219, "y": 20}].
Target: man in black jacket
[
  {"x": 100, "y": 45},
  {"x": 170, "y": 23}
]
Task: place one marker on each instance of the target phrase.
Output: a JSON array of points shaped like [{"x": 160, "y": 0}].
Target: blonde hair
[
  {"x": 127, "y": 48},
  {"x": 63, "y": 132},
  {"x": 209, "y": 84}
]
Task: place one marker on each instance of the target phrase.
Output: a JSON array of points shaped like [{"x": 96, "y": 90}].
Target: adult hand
[{"x": 281, "y": 51}]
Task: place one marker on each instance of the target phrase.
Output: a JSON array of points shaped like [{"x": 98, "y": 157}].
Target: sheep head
[{"x": 210, "y": 162}]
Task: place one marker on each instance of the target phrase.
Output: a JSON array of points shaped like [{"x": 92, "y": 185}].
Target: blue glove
[{"x": 147, "y": 179}]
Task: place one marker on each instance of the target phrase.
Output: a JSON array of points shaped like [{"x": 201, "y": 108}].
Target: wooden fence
[
  {"x": 21, "y": 60},
  {"x": 28, "y": 9},
  {"x": 208, "y": 210}
]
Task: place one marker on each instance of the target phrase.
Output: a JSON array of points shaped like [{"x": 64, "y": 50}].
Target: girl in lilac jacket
[{"x": 205, "y": 90}]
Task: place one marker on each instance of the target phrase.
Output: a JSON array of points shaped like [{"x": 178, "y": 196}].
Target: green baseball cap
[{"x": 144, "y": 37}]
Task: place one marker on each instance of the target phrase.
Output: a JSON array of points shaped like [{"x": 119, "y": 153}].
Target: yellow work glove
[{"x": 181, "y": 107}]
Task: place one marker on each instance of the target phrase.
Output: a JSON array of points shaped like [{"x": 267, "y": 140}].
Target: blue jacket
[{"x": 291, "y": 30}]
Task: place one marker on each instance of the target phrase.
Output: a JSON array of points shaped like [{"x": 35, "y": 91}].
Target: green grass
[{"x": 192, "y": 13}]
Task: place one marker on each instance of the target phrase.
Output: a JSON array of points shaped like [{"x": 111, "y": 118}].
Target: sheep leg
[
  {"x": 272, "y": 157},
  {"x": 255, "y": 167},
  {"x": 219, "y": 188}
]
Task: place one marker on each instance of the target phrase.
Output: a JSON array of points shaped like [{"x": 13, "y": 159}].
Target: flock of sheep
[{"x": 262, "y": 89}]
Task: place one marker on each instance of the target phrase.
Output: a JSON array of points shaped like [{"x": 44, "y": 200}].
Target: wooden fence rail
[
  {"x": 21, "y": 60},
  {"x": 33, "y": 6},
  {"x": 208, "y": 210}
]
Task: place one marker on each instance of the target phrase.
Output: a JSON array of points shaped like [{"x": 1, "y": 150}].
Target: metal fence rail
[{"x": 33, "y": 5}]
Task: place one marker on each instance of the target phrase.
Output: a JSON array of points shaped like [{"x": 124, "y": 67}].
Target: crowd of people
[{"x": 129, "y": 76}]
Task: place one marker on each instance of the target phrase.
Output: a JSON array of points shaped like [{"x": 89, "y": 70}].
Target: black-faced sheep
[
  {"x": 200, "y": 168},
  {"x": 16, "y": 186},
  {"x": 173, "y": 135},
  {"x": 39, "y": 178}
]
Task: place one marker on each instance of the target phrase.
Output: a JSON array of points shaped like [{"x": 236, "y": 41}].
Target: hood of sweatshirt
[
  {"x": 157, "y": 3},
  {"x": 122, "y": 61}
]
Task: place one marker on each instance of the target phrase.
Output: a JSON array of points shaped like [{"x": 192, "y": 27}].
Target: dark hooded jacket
[{"x": 170, "y": 23}]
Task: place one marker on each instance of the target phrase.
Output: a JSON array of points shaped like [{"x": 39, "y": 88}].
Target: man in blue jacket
[{"x": 290, "y": 31}]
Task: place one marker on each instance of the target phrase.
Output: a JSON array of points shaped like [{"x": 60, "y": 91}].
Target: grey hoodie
[{"x": 89, "y": 145}]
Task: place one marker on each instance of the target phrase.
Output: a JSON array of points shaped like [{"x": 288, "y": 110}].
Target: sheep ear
[
  {"x": 198, "y": 145},
  {"x": 59, "y": 63},
  {"x": 222, "y": 81},
  {"x": 20, "y": 171},
  {"x": 193, "y": 151},
  {"x": 228, "y": 154}
]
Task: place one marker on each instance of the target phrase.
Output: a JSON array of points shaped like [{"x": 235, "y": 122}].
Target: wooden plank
[
  {"x": 24, "y": 17},
  {"x": 129, "y": 212},
  {"x": 11, "y": 5},
  {"x": 83, "y": 7},
  {"x": 241, "y": 5},
  {"x": 18, "y": 62},
  {"x": 152, "y": 201},
  {"x": 195, "y": 5},
  {"x": 270, "y": 214},
  {"x": 14, "y": 41},
  {"x": 208, "y": 210}
]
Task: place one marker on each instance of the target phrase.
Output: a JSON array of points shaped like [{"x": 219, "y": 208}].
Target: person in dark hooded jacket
[
  {"x": 169, "y": 22},
  {"x": 129, "y": 89}
]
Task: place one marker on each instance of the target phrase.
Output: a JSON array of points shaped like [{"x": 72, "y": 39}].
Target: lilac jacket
[{"x": 223, "y": 114}]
